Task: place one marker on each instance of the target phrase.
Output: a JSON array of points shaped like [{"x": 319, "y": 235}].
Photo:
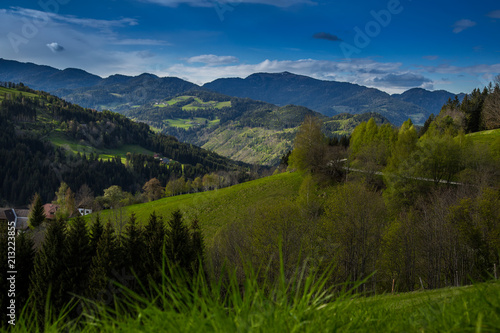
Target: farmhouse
[
  {"x": 19, "y": 216},
  {"x": 50, "y": 211}
]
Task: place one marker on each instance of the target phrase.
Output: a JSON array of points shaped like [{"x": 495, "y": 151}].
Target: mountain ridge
[{"x": 121, "y": 92}]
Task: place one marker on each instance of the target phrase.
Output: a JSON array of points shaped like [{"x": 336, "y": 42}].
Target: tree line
[{"x": 76, "y": 262}]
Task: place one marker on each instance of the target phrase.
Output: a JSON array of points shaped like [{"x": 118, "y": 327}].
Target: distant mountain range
[
  {"x": 121, "y": 93},
  {"x": 331, "y": 97}
]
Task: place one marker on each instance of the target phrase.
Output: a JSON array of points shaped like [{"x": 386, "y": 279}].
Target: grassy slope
[
  {"x": 485, "y": 136},
  {"x": 11, "y": 91},
  {"x": 197, "y": 104},
  {"x": 215, "y": 209},
  {"x": 187, "y": 123},
  {"x": 251, "y": 145},
  {"x": 61, "y": 140}
]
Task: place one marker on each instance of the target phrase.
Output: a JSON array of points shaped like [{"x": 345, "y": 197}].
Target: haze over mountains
[{"x": 120, "y": 93}]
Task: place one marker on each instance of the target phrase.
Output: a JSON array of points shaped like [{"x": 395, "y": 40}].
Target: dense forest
[
  {"x": 31, "y": 163},
  {"x": 77, "y": 260}
]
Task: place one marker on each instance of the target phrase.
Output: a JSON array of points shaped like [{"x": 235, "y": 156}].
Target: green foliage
[
  {"x": 352, "y": 226},
  {"x": 309, "y": 146},
  {"x": 154, "y": 233},
  {"x": 197, "y": 244},
  {"x": 96, "y": 230},
  {"x": 371, "y": 145},
  {"x": 25, "y": 255},
  {"x": 77, "y": 258},
  {"x": 404, "y": 145},
  {"x": 178, "y": 242},
  {"x": 65, "y": 199},
  {"x": 104, "y": 263},
  {"x": 37, "y": 212},
  {"x": 133, "y": 246},
  {"x": 46, "y": 278}
]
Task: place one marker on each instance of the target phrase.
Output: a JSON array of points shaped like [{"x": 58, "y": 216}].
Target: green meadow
[
  {"x": 197, "y": 104},
  {"x": 488, "y": 137},
  {"x": 214, "y": 209},
  {"x": 59, "y": 139},
  {"x": 187, "y": 123}
]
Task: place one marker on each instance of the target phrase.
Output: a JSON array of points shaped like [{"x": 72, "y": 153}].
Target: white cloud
[
  {"x": 212, "y": 60},
  {"x": 461, "y": 25},
  {"x": 55, "y": 47},
  {"x": 140, "y": 42},
  {"x": 472, "y": 70},
  {"x": 431, "y": 57},
  {"x": 231, "y": 3},
  {"x": 361, "y": 71},
  {"x": 42, "y": 18},
  {"x": 494, "y": 14}
]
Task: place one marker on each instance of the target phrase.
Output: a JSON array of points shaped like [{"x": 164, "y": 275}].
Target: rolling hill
[{"x": 215, "y": 209}]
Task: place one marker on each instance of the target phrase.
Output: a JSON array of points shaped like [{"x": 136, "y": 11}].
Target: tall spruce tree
[
  {"x": 37, "y": 212},
  {"x": 133, "y": 247},
  {"x": 25, "y": 256},
  {"x": 96, "y": 231},
  {"x": 154, "y": 233},
  {"x": 46, "y": 276},
  {"x": 77, "y": 259},
  {"x": 177, "y": 242},
  {"x": 197, "y": 245},
  {"x": 103, "y": 265}
]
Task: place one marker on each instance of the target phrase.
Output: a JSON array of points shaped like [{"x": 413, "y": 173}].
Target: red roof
[{"x": 50, "y": 210}]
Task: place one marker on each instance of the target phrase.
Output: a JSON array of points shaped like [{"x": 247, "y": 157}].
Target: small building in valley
[{"x": 19, "y": 216}]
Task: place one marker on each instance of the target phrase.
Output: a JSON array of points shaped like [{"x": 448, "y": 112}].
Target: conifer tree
[
  {"x": 37, "y": 212},
  {"x": 154, "y": 233},
  {"x": 197, "y": 244},
  {"x": 77, "y": 259},
  {"x": 47, "y": 268},
  {"x": 103, "y": 264},
  {"x": 95, "y": 234},
  {"x": 177, "y": 242},
  {"x": 133, "y": 249},
  {"x": 25, "y": 256}
]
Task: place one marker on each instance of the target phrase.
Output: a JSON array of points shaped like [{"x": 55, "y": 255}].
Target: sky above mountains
[{"x": 391, "y": 45}]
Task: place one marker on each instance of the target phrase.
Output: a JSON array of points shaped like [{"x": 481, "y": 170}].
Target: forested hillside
[
  {"x": 46, "y": 140},
  {"x": 328, "y": 97},
  {"x": 241, "y": 129}
]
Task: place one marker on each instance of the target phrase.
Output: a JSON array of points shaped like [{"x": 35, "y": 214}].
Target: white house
[{"x": 84, "y": 211}]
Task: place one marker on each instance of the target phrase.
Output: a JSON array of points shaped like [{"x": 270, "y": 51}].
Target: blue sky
[{"x": 392, "y": 45}]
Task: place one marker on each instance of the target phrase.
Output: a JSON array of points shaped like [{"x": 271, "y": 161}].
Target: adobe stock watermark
[
  {"x": 11, "y": 272},
  {"x": 31, "y": 27},
  {"x": 373, "y": 28},
  {"x": 223, "y": 6}
]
